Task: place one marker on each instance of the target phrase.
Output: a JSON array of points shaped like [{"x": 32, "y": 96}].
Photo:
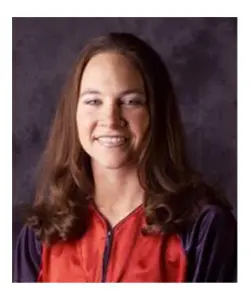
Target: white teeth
[{"x": 112, "y": 141}]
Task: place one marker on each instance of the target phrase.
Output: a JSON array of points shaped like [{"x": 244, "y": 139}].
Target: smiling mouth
[{"x": 112, "y": 141}]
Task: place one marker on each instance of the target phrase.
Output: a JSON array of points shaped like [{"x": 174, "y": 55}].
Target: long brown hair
[{"x": 174, "y": 190}]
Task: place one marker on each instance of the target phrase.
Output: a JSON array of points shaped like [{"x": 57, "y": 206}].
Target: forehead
[{"x": 111, "y": 72}]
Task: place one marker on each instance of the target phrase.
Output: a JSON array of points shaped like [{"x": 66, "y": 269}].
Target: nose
[{"x": 111, "y": 116}]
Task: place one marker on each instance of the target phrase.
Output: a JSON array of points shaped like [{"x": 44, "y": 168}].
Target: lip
[
  {"x": 123, "y": 142},
  {"x": 111, "y": 136}
]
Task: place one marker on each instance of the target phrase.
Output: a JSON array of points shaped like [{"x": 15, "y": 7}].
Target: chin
[{"x": 112, "y": 163}]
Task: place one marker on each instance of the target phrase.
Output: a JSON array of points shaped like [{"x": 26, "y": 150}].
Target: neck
[{"x": 117, "y": 192}]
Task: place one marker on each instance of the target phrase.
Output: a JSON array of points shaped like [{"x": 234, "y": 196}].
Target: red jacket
[{"x": 204, "y": 252}]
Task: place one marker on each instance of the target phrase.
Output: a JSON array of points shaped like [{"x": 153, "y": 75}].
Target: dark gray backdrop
[{"x": 201, "y": 54}]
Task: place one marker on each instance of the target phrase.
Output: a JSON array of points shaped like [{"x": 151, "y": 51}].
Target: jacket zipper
[{"x": 106, "y": 254}]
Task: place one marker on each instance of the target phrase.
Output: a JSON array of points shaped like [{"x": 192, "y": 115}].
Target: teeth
[{"x": 112, "y": 141}]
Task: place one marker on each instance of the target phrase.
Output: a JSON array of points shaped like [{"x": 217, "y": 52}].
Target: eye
[
  {"x": 92, "y": 101},
  {"x": 133, "y": 102}
]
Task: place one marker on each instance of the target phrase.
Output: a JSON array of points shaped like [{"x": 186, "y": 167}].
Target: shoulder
[
  {"x": 215, "y": 217},
  {"x": 27, "y": 238},
  {"x": 216, "y": 213},
  {"x": 27, "y": 256},
  {"x": 213, "y": 220},
  {"x": 210, "y": 244}
]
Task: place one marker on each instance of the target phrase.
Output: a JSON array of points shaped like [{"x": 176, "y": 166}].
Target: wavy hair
[{"x": 175, "y": 192}]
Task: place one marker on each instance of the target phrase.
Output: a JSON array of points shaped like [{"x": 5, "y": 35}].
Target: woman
[{"x": 117, "y": 200}]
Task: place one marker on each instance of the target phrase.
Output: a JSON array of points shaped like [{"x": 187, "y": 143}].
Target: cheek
[
  {"x": 85, "y": 122},
  {"x": 139, "y": 122}
]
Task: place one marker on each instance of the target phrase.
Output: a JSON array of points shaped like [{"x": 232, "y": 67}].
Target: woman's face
[{"x": 112, "y": 115}]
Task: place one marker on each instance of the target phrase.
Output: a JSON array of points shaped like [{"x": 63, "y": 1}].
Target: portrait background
[{"x": 200, "y": 53}]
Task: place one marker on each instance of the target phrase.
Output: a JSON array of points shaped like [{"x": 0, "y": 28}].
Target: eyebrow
[{"x": 96, "y": 92}]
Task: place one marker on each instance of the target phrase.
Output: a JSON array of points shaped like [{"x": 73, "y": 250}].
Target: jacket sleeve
[
  {"x": 212, "y": 247},
  {"x": 27, "y": 257}
]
